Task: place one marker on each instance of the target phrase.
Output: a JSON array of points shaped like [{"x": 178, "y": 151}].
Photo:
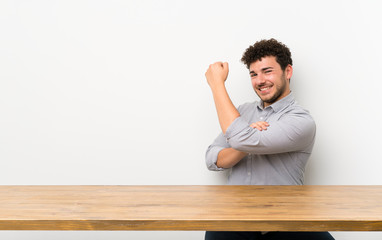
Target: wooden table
[{"x": 235, "y": 208}]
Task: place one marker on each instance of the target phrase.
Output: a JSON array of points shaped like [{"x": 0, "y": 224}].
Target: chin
[{"x": 269, "y": 99}]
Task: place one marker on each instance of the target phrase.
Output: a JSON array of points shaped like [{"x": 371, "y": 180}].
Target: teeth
[{"x": 262, "y": 89}]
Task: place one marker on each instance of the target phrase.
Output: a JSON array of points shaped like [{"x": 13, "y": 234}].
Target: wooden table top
[{"x": 224, "y": 208}]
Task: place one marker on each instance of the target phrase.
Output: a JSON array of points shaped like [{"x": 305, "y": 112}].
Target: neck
[{"x": 286, "y": 93}]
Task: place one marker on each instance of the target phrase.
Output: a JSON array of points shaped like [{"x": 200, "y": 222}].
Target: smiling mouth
[{"x": 264, "y": 89}]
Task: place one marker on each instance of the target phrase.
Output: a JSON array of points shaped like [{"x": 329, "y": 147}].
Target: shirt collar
[{"x": 280, "y": 104}]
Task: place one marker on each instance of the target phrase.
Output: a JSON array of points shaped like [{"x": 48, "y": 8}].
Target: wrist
[{"x": 217, "y": 86}]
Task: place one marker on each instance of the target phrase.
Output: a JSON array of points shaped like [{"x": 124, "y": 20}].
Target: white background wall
[{"x": 113, "y": 92}]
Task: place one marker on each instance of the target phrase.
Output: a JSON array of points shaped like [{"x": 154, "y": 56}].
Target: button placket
[
  {"x": 249, "y": 167},
  {"x": 264, "y": 114}
]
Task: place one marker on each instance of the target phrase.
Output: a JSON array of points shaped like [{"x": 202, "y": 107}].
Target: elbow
[
  {"x": 214, "y": 167},
  {"x": 211, "y": 166},
  {"x": 211, "y": 158},
  {"x": 210, "y": 163}
]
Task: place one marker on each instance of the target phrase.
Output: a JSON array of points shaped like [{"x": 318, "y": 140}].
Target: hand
[
  {"x": 259, "y": 125},
  {"x": 217, "y": 73}
]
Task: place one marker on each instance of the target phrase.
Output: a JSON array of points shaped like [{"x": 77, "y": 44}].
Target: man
[{"x": 266, "y": 142}]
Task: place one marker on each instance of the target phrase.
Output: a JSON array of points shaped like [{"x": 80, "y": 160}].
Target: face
[{"x": 269, "y": 81}]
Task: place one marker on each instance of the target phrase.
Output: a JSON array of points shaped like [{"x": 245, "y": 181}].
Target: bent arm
[
  {"x": 225, "y": 109},
  {"x": 229, "y": 157},
  {"x": 292, "y": 132},
  {"x": 220, "y": 151},
  {"x": 216, "y": 76}
]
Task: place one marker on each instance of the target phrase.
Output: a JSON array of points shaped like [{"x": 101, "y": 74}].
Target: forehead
[{"x": 268, "y": 61}]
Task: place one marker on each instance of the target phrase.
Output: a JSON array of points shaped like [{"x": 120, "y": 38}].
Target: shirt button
[
  {"x": 249, "y": 173},
  {"x": 261, "y": 118}
]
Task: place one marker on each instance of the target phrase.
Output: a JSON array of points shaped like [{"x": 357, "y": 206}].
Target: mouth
[{"x": 264, "y": 89}]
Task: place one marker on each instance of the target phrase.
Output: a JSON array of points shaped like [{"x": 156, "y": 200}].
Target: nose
[{"x": 260, "y": 79}]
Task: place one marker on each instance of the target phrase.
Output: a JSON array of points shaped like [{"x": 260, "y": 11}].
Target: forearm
[
  {"x": 216, "y": 76},
  {"x": 226, "y": 111},
  {"x": 229, "y": 157}
]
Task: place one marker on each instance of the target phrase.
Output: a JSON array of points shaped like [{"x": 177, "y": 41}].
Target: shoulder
[
  {"x": 297, "y": 114},
  {"x": 295, "y": 107}
]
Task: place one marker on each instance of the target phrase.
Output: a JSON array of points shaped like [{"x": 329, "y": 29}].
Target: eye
[
  {"x": 253, "y": 75},
  {"x": 268, "y": 71}
]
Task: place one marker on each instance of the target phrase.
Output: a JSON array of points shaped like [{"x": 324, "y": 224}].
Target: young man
[{"x": 266, "y": 142}]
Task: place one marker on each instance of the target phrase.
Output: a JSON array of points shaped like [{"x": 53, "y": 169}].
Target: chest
[{"x": 256, "y": 114}]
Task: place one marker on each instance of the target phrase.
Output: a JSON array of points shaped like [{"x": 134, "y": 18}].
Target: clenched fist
[{"x": 217, "y": 73}]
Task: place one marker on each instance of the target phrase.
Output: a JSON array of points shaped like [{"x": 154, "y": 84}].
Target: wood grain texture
[{"x": 224, "y": 208}]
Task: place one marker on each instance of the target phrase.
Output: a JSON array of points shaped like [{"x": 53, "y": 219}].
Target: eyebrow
[
  {"x": 263, "y": 69},
  {"x": 266, "y": 68}
]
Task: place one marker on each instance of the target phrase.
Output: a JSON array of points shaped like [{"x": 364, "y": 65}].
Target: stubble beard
[
  {"x": 275, "y": 96},
  {"x": 279, "y": 91}
]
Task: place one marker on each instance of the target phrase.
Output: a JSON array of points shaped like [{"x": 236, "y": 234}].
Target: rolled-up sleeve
[
  {"x": 213, "y": 150},
  {"x": 291, "y": 132}
]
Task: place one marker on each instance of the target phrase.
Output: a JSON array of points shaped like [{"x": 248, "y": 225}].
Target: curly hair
[{"x": 265, "y": 48}]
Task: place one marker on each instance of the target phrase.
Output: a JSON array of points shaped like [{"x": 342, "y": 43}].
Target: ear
[{"x": 289, "y": 71}]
